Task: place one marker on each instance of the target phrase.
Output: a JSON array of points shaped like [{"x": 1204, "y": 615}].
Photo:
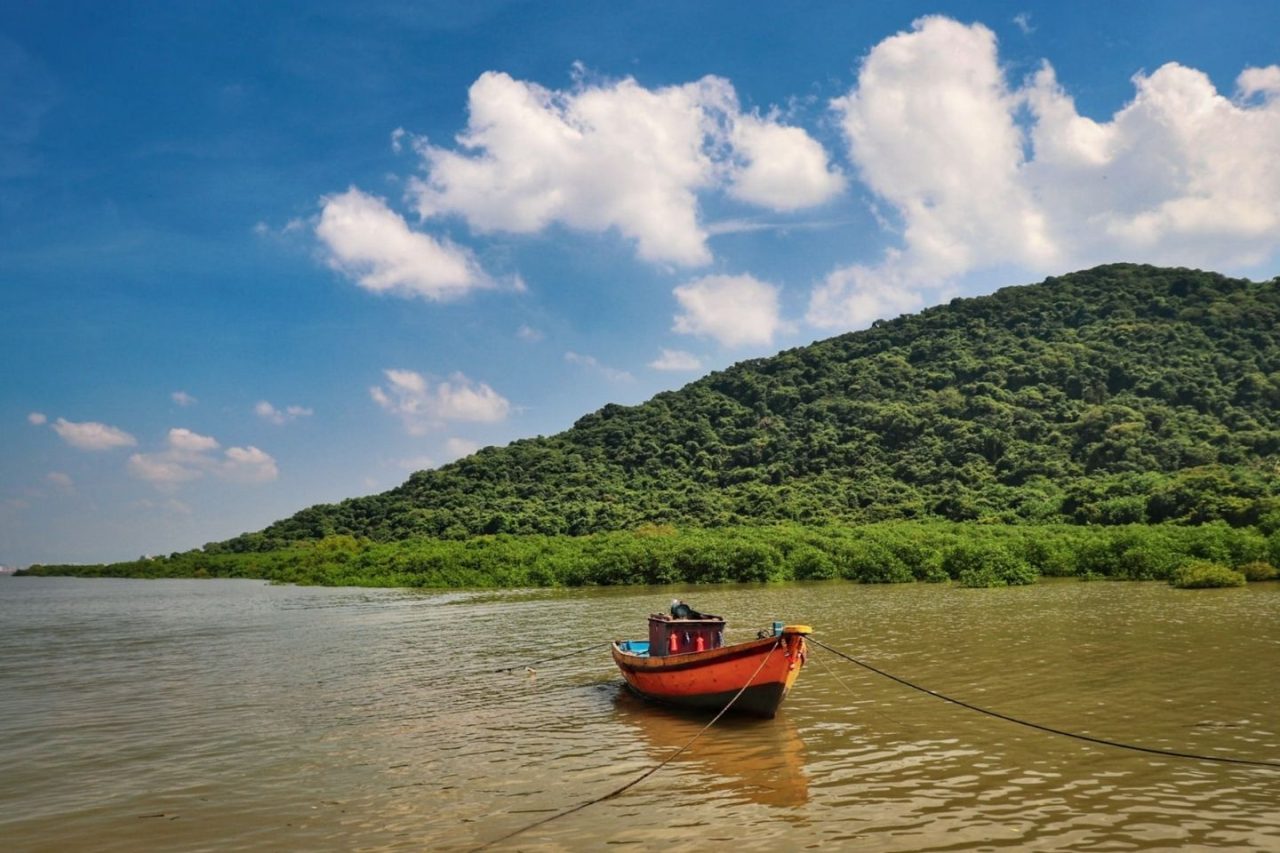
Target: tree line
[{"x": 969, "y": 554}]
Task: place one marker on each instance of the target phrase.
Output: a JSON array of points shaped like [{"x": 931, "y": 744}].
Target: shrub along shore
[{"x": 976, "y": 555}]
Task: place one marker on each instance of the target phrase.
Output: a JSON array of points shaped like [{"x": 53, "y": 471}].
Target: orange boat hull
[{"x": 766, "y": 668}]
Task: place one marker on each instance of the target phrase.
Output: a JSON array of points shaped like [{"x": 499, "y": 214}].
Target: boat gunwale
[{"x": 690, "y": 660}]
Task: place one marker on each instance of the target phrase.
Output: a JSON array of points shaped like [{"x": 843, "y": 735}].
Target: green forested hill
[{"x": 1115, "y": 395}]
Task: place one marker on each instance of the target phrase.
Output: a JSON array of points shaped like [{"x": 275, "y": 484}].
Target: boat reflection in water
[{"x": 761, "y": 761}]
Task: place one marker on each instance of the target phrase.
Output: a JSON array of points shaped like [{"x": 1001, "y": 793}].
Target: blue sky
[{"x": 256, "y": 256}]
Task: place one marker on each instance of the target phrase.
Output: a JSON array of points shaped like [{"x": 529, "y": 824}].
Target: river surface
[{"x": 234, "y": 715}]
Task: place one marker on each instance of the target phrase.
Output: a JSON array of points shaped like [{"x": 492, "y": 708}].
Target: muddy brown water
[{"x": 233, "y": 715}]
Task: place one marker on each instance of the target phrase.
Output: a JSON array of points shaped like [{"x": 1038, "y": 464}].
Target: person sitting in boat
[{"x": 680, "y": 610}]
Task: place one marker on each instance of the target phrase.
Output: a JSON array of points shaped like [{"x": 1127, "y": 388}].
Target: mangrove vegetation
[{"x": 884, "y": 552}]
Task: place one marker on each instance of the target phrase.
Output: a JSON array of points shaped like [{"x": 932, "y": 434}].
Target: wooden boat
[{"x": 686, "y": 663}]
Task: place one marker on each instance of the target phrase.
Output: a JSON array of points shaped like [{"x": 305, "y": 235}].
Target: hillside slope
[{"x": 1119, "y": 394}]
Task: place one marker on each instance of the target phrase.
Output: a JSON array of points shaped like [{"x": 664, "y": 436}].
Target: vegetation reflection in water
[{"x": 254, "y": 716}]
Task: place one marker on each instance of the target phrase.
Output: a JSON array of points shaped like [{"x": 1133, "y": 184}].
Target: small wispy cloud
[
  {"x": 280, "y": 417},
  {"x": 189, "y": 456},
  {"x": 60, "y": 481},
  {"x": 397, "y": 139},
  {"x": 162, "y": 469},
  {"x": 424, "y": 405},
  {"x": 247, "y": 465},
  {"x": 593, "y": 364},
  {"x": 1022, "y": 21},
  {"x": 676, "y": 360},
  {"x": 750, "y": 226},
  {"x": 91, "y": 435},
  {"x": 37, "y": 419},
  {"x": 529, "y": 335},
  {"x": 293, "y": 226},
  {"x": 182, "y": 398}
]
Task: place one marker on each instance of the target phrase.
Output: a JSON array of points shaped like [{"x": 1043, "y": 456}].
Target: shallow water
[{"x": 232, "y": 715}]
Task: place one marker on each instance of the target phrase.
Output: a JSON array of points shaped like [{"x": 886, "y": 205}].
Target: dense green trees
[
  {"x": 1123, "y": 394},
  {"x": 886, "y": 552}
]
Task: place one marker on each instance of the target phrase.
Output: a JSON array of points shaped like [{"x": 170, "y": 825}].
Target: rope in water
[
  {"x": 1048, "y": 729},
  {"x": 616, "y": 791},
  {"x": 557, "y": 657}
]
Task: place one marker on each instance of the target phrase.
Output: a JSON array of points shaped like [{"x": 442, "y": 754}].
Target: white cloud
[
  {"x": 61, "y": 480},
  {"x": 1180, "y": 175},
  {"x": 616, "y": 156},
  {"x": 423, "y": 406},
  {"x": 736, "y": 310},
  {"x": 185, "y": 441},
  {"x": 676, "y": 360},
  {"x": 293, "y": 226},
  {"x": 185, "y": 458},
  {"x": 784, "y": 169},
  {"x": 373, "y": 245},
  {"x": 1259, "y": 81},
  {"x": 529, "y": 335},
  {"x": 456, "y": 448},
  {"x": 931, "y": 127},
  {"x": 182, "y": 398},
  {"x": 460, "y": 399},
  {"x": 750, "y": 226},
  {"x": 189, "y": 456},
  {"x": 856, "y": 296},
  {"x": 1022, "y": 21},
  {"x": 247, "y": 465},
  {"x": 271, "y": 414},
  {"x": 593, "y": 364},
  {"x": 91, "y": 435},
  {"x": 162, "y": 469},
  {"x": 37, "y": 419}
]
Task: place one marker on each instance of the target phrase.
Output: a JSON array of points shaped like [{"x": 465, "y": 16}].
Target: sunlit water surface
[{"x": 233, "y": 715}]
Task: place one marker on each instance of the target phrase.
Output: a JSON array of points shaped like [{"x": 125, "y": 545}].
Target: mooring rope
[
  {"x": 831, "y": 672},
  {"x": 615, "y": 792},
  {"x": 557, "y": 657},
  {"x": 1043, "y": 728}
]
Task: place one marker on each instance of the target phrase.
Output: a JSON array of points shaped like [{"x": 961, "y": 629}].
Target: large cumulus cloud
[{"x": 980, "y": 173}]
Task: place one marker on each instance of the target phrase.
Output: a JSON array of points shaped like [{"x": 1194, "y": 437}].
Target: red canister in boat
[
  {"x": 700, "y": 644},
  {"x": 673, "y": 643}
]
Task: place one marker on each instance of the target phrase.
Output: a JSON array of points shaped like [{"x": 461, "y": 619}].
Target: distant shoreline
[{"x": 970, "y": 554}]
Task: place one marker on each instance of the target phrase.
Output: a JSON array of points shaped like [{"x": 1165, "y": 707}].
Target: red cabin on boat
[{"x": 669, "y": 635}]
